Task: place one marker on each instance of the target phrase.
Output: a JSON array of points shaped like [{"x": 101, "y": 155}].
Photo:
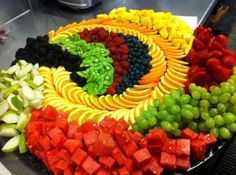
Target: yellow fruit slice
[
  {"x": 163, "y": 89},
  {"x": 111, "y": 102},
  {"x": 100, "y": 117},
  {"x": 132, "y": 118},
  {"x": 141, "y": 87},
  {"x": 135, "y": 92},
  {"x": 104, "y": 104},
  {"x": 135, "y": 98}
]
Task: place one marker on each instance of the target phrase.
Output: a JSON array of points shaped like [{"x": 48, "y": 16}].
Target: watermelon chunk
[
  {"x": 103, "y": 171},
  {"x": 118, "y": 156},
  {"x": 90, "y": 137},
  {"x": 183, "y": 163},
  {"x": 183, "y": 147},
  {"x": 72, "y": 144},
  {"x": 44, "y": 142},
  {"x": 79, "y": 156},
  {"x": 106, "y": 161},
  {"x": 188, "y": 134},
  {"x": 155, "y": 168},
  {"x": 129, "y": 148},
  {"x": 207, "y": 138},
  {"x": 50, "y": 113},
  {"x": 123, "y": 171},
  {"x": 90, "y": 165},
  {"x": 170, "y": 146},
  {"x": 157, "y": 136},
  {"x": 142, "y": 155},
  {"x": 168, "y": 161},
  {"x": 72, "y": 129},
  {"x": 107, "y": 122},
  {"x": 198, "y": 149},
  {"x": 62, "y": 164},
  {"x": 69, "y": 171}
]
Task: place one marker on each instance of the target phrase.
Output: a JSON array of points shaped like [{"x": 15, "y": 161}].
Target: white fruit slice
[
  {"x": 10, "y": 90},
  {"x": 3, "y": 107},
  {"x": 13, "y": 69},
  {"x": 15, "y": 102},
  {"x": 25, "y": 70},
  {"x": 22, "y": 63},
  {"x": 2, "y": 86},
  {"x": 22, "y": 145},
  {"x": 38, "y": 79},
  {"x": 22, "y": 121},
  {"x": 8, "y": 130},
  {"x": 11, "y": 144},
  {"x": 38, "y": 94},
  {"x": 7, "y": 80},
  {"x": 37, "y": 103},
  {"x": 36, "y": 66},
  {"x": 27, "y": 92},
  {"x": 10, "y": 117},
  {"x": 40, "y": 88}
]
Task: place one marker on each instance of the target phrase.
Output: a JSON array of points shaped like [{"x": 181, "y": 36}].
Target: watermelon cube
[
  {"x": 52, "y": 157},
  {"x": 157, "y": 137},
  {"x": 72, "y": 129},
  {"x": 64, "y": 154},
  {"x": 69, "y": 171},
  {"x": 62, "y": 164},
  {"x": 56, "y": 170},
  {"x": 188, "y": 134},
  {"x": 123, "y": 171},
  {"x": 198, "y": 149},
  {"x": 90, "y": 137},
  {"x": 155, "y": 149},
  {"x": 129, "y": 148},
  {"x": 155, "y": 168},
  {"x": 107, "y": 122},
  {"x": 143, "y": 143},
  {"x": 106, "y": 161},
  {"x": 138, "y": 172},
  {"x": 118, "y": 156},
  {"x": 90, "y": 165},
  {"x": 129, "y": 164},
  {"x": 103, "y": 171},
  {"x": 183, "y": 147},
  {"x": 207, "y": 138},
  {"x": 62, "y": 124},
  {"x": 183, "y": 163},
  {"x": 50, "y": 113},
  {"x": 71, "y": 145},
  {"x": 87, "y": 126},
  {"x": 170, "y": 146},
  {"x": 44, "y": 142},
  {"x": 80, "y": 171},
  {"x": 142, "y": 155},
  {"x": 168, "y": 161},
  {"x": 79, "y": 156}
]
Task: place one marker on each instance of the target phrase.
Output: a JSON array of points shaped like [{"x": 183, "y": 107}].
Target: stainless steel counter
[{"x": 40, "y": 22}]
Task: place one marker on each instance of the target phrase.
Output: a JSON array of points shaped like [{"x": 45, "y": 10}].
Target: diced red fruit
[
  {"x": 87, "y": 126},
  {"x": 212, "y": 63},
  {"x": 157, "y": 136},
  {"x": 79, "y": 156},
  {"x": 129, "y": 148},
  {"x": 198, "y": 149},
  {"x": 61, "y": 122},
  {"x": 229, "y": 62},
  {"x": 106, "y": 161},
  {"x": 36, "y": 114},
  {"x": 183, "y": 147},
  {"x": 50, "y": 113},
  {"x": 155, "y": 168},
  {"x": 80, "y": 171},
  {"x": 137, "y": 172},
  {"x": 103, "y": 171},
  {"x": 90, "y": 165},
  {"x": 72, "y": 129},
  {"x": 123, "y": 171},
  {"x": 72, "y": 144},
  {"x": 62, "y": 164},
  {"x": 44, "y": 142},
  {"x": 90, "y": 137},
  {"x": 64, "y": 154},
  {"x": 199, "y": 78},
  {"x": 111, "y": 90},
  {"x": 188, "y": 134},
  {"x": 118, "y": 156},
  {"x": 68, "y": 171},
  {"x": 129, "y": 164},
  {"x": 221, "y": 73},
  {"x": 51, "y": 156},
  {"x": 183, "y": 163},
  {"x": 170, "y": 146},
  {"x": 207, "y": 138},
  {"x": 142, "y": 155},
  {"x": 56, "y": 170},
  {"x": 107, "y": 122},
  {"x": 168, "y": 161}
]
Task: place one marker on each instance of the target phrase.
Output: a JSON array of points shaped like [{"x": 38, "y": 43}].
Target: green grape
[
  {"x": 232, "y": 88},
  {"x": 233, "y": 77},
  {"x": 186, "y": 114},
  {"x": 174, "y": 109},
  {"x": 176, "y": 132},
  {"x": 152, "y": 121},
  {"x": 146, "y": 114},
  {"x": 196, "y": 95},
  {"x": 221, "y": 107},
  {"x": 152, "y": 110},
  {"x": 210, "y": 123},
  {"x": 170, "y": 118},
  {"x": 232, "y": 127},
  {"x": 184, "y": 99},
  {"x": 156, "y": 103},
  {"x": 175, "y": 94},
  {"x": 181, "y": 90},
  {"x": 192, "y": 87},
  {"x": 233, "y": 109},
  {"x": 231, "y": 82},
  {"x": 225, "y": 87},
  {"x": 193, "y": 126},
  {"x": 202, "y": 126},
  {"x": 215, "y": 132},
  {"x": 194, "y": 102},
  {"x": 195, "y": 112},
  {"x": 214, "y": 99},
  {"x": 201, "y": 109},
  {"x": 166, "y": 125},
  {"x": 223, "y": 98},
  {"x": 137, "y": 128},
  {"x": 175, "y": 125},
  {"x": 205, "y": 96},
  {"x": 205, "y": 115},
  {"x": 168, "y": 100},
  {"x": 213, "y": 112},
  {"x": 187, "y": 106},
  {"x": 219, "y": 120},
  {"x": 143, "y": 123},
  {"x": 178, "y": 117},
  {"x": 162, "y": 106},
  {"x": 228, "y": 106},
  {"x": 233, "y": 99},
  {"x": 204, "y": 103},
  {"x": 225, "y": 133},
  {"x": 215, "y": 90},
  {"x": 229, "y": 118},
  {"x": 162, "y": 114}
]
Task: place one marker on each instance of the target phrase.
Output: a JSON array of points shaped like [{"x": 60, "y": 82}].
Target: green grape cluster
[{"x": 211, "y": 111}]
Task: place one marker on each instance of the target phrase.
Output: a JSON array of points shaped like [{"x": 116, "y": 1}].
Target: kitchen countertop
[{"x": 40, "y": 22}]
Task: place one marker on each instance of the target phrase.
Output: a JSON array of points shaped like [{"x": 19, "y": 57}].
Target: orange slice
[
  {"x": 95, "y": 103},
  {"x": 135, "y": 92},
  {"x": 151, "y": 85},
  {"x": 117, "y": 99},
  {"x": 111, "y": 102},
  {"x": 104, "y": 104},
  {"x": 135, "y": 98}
]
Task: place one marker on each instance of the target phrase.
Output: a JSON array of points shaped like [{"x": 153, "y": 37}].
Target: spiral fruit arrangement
[{"x": 129, "y": 92}]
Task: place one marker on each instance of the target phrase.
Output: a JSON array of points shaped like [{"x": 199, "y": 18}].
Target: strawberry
[
  {"x": 192, "y": 54},
  {"x": 215, "y": 46},
  {"x": 228, "y": 62},
  {"x": 201, "y": 58},
  {"x": 227, "y": 52},
  {"x": 124, "y": 48},
  {"x": 198, "y": 30},
  {"x": 124, "y": 64},
  {"x": 210, "y": 42},
  {"x": 198, "y": 45},
  {"x": 212, "y": 63},
  {"x": 217, "y": 54},
  {"x": 205, "y": 35},
  {"x": 223, "y": 40},
  {"x": 221, "y": 73},
  {"x": 186, "y": 86},
  {"x": 199, "y": 78},
  {"x": 192, "y": 70},
  {"x": 111, "y": 90},
  {"x": 113, "y": 49},
  {"x": 115, "y": 84},
  {"x": 118, "y": 79}
]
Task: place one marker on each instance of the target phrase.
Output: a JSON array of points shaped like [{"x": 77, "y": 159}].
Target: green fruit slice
[
  {"x": 10, "y": 117},
  {"x": 25, "y": 70},
  {"x": 37, "y": 103},
  {"x": 10, "y": 90},
  {"x": 11, "y": 144},
  {"x": 38, "y": 80},
  {"x": 8, "y": 130},
  {"x": 27, "y": 92},
  {"x": 22, "y": 121},
  {"x": 3, "y": 107},
  {"x": 15, "y": 102},
  {"x": 32, "y": 84},
  {"x": 22, "y": 145}
]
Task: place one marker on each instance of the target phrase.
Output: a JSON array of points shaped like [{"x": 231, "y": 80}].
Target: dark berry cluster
[
  {"x": 138, "y": 59},
  {"x": 118, "y": 52},
  {"x": 38, "y": 50}
]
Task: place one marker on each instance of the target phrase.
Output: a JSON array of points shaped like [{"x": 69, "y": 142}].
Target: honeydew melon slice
[
  {"x": 10, "y": 117},
  {"x": 4, "y": 106},
  {"x": 8, "y": 130},
  {"x": 22, "y": 121},
  {"x": 11, "y": 144},
  {"x": 22, "y": 145}
]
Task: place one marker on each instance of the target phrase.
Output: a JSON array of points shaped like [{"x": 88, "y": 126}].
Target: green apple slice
[
  {"x": 8, "y": 130},
  {"x": 37, "y": 103},
  {"x": 15, "y": 102},
  {"x": 11, "y": 144},
  {"x": 22, "y": 121},
  {"x": 31, "y": 83},
  {"x": 27, "y": 92},
  {"x": 10, "y": 117},
  {"x": 38, "y": 79},
  {"x": 22, "y": 145},
  {"x": 13, "y": 69},
  {"x": 36, "y": 66},
  {"x": 38, "y": 94},
  {"x": 10, "y": 90},
  {"x": 25, "y": 70},
  {"x": 2, "y": 86},
  {"x": 3, "y": 107},
  {"x": 28, "y": 109},
  {"x": 22, "y": 63}
]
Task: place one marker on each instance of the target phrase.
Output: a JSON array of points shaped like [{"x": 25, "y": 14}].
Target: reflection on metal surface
[{"x": 79, "y": 4}]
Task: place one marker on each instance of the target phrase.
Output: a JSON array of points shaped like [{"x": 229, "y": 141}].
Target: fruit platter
[{"x": 128, "y": 92}]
